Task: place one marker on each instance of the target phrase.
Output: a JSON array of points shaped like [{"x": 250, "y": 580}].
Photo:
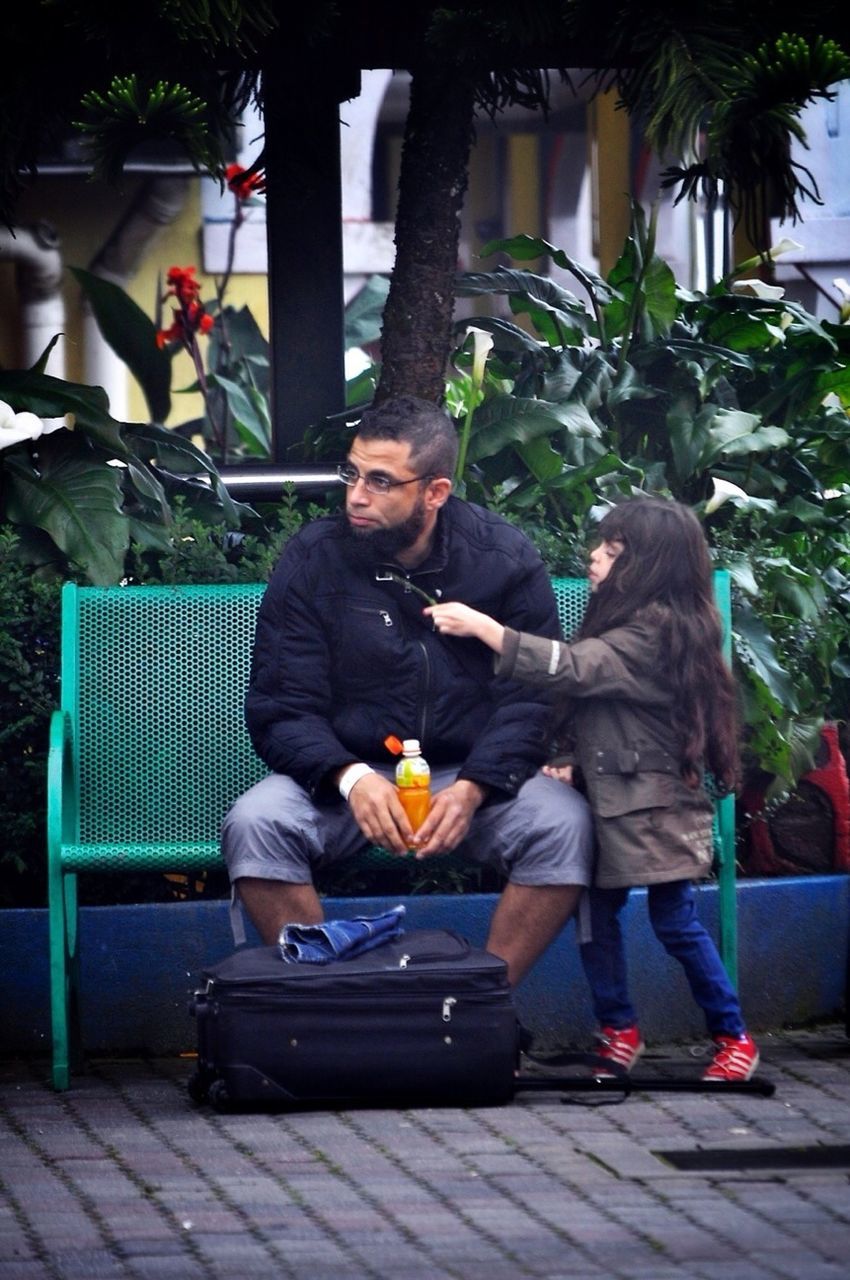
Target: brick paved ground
[{"x": 122, "y": 1177}]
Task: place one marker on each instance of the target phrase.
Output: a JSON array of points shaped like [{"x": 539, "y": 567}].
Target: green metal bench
[{"x": 149, "y": 748}]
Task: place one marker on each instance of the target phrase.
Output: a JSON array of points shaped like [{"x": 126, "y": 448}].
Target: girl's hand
[
  {"x": 560, "y": 772},
  {"x": 455, "y": 619}
]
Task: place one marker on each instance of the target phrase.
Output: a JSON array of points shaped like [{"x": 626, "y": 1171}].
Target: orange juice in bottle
[{"x": 413, "y": 782}]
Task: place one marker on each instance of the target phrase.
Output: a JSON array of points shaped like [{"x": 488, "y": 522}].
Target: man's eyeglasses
[{"x": 374, "y": 481}]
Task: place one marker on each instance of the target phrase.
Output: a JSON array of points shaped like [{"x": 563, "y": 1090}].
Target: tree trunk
[{"x": 432, "y": 183}]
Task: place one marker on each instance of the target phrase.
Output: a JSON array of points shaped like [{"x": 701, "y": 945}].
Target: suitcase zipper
[{"x": 386, "y": 1000}]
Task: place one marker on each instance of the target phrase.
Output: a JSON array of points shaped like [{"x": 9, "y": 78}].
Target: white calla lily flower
[
  {"x": 723, "y": 491},
  {"x": 481, "y": 348},
  {"x": 785, "y": 245},
  {"x": 17, "y": 428},
  {"x": 843, "y": 287},
  {"x": 758, "y": 289}
]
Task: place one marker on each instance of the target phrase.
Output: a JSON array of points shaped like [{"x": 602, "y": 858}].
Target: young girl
[{"x": 649, "y": 704}]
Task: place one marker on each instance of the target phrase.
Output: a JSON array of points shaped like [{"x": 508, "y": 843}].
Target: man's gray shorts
[{"x": 542, "y": 836}]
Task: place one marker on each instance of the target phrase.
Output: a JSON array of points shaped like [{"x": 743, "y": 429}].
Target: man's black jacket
[{"x": 342, "y": 659}]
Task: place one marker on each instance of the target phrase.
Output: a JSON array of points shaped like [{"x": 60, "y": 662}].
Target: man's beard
[{"x": 381, "y": 546}]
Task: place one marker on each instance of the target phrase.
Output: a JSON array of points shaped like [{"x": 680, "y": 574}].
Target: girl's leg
[
  {"x": 604, "y": 960},
  {"x": 672, "y": 913}
]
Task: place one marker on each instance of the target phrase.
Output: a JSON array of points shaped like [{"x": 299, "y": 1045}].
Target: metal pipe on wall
[{"x": 38, "y": 275}]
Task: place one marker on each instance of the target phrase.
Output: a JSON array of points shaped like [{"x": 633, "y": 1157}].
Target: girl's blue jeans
[{"x": 672, "y": 914}]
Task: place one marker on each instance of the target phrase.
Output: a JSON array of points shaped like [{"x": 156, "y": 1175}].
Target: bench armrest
[{"x": 61, "y": 788}]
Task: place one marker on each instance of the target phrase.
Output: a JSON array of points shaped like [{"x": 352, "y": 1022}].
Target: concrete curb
[{"x": 140, "y": 965}]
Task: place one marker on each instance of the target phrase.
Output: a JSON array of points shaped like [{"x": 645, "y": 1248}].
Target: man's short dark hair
[{"x": 426, "y": 427}]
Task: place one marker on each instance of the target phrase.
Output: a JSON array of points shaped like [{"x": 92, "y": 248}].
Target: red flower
[
  {"x": 244, "y": 184},
  {"x": 182, "y": 284},
  {"x": 191, "y": 318}
]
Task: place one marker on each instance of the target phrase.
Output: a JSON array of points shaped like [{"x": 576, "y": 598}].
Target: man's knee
[
  {"x": 264, "y": 834},
  {"x": 550, "y": 810},
  {"x": 546, "y": 835}
]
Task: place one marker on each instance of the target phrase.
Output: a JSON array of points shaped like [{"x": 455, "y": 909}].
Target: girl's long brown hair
[{"x": 665, "y": 571}]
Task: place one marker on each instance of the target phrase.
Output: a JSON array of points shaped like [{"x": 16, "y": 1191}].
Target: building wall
[
  {"x": 567, "y": 180},
  {"x": 84, "y": 215}
]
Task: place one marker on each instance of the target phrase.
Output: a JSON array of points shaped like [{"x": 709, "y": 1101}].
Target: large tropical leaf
[
  {"x": 756, "y": 648},
  {"x": 79, "y": 505},
  {"x": 528, "y": 248},
  {"x": 50, "y": 397},
  {"x": 132, "y": 336},
  {"x": 583, "y": 376},
  {"x": 655, "y": 285},
  {"x": 509, "y": 420},
  {"x": 698, "y": 440},
  {"x": 154, "y": 442},
  {"x": 509, "y": 339},
  {"x": 249, "y": 414},
  {"x": 364, "y": 313},
  {"x": 555, "y": 312}
]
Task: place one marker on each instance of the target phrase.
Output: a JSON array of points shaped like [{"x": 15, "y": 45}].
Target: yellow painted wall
[
  {"x": 609, "y": 129},
  {"x": 522, "y": 196}
]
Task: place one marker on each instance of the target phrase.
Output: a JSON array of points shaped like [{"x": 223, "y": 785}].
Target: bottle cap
[{"x": 393, "y": 744}]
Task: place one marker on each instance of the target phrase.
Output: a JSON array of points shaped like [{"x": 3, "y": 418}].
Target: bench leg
[
  {"x": 727, "y": 888},
  {"x": 64, "y": 976}
]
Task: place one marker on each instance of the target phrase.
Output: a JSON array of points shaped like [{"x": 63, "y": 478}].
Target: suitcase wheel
[
  {"x": 218, "y": 1096},
  {"x": 197, "y": 1086}
]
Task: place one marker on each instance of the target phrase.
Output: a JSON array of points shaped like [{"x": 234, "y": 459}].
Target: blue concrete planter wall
[{"x": 141, "y": 963}]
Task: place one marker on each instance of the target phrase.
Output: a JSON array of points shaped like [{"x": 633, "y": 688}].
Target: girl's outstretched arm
[{"x": 454, "y": 619}]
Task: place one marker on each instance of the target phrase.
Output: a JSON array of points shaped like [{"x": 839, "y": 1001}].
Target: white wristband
[{"x": 350, "y": 776}]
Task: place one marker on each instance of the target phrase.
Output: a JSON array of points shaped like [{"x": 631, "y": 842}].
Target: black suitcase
[{"x": 424, "y": 1019}]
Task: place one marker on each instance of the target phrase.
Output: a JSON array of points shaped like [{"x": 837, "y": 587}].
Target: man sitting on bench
[{"x": 343, "y": 658}]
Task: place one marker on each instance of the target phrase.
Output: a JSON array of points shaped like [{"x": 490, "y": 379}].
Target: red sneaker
[
  {"x": 736, "y": 1059},
  {"x": 621, "y": 1046}
]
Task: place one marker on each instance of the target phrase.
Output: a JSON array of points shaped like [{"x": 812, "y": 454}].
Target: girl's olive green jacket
[{"x": 651, "y": 827}]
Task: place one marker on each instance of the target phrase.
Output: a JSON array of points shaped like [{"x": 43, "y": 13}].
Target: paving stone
[{"x": 100, "y": 1182}]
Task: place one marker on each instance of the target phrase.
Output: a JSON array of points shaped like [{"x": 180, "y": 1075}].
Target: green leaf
[
  {"x": 583, "y": 377},
  {"x": 364, "y": 313},
  {"x": 698, "y": 440},
  {"x": 732, "y": 435},
  {"x": 741, "y": 573},
  {"x": 132, "y": 336},
  {"x": 739, "y": 331},
  {"x": 508, "y": 338},
  {"x": 79, "y": 505},
  {"x": 527, "y": 248},
  {"x": 508, "y": 420},
  {"x": 151, "y": 440},
  {"x": 690, "y": 437},
  {"x": 542, "y": 460},
  {"x": 835, "y": 382},
  {"x": 708, "y": 353},
  {"x": 249, "y": 412},
  {"x": 50, "y": 397},
  {"x": 654, "y": 286},
  {"x": 555, "y": 312},
  {"x": 756, "y": 648}
]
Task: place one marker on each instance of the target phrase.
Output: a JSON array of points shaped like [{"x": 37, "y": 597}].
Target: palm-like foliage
[
  {"x": 718, "y": 90},
  {"x": 734, "y": 404}
]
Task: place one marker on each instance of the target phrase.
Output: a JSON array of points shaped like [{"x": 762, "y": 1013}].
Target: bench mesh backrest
[
  {"x": 160, "y": 680},
  {"x": 160, "y": 672},
  {"x": 571, "y": 597}
]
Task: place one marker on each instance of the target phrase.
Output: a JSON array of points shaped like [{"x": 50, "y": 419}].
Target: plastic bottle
[{"x": 413, "y": 780}]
